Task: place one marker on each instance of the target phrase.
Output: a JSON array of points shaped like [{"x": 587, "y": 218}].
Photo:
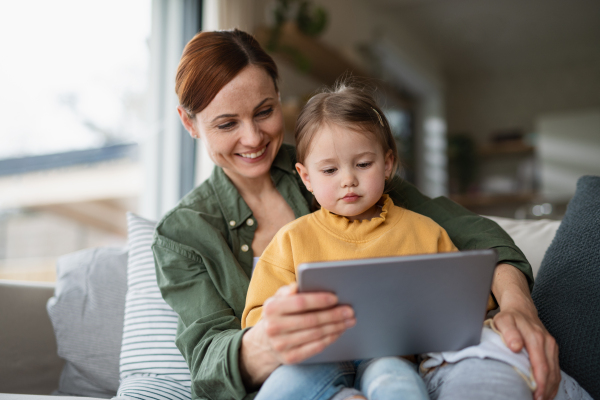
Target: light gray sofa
[{"x": 29, "y": 362}]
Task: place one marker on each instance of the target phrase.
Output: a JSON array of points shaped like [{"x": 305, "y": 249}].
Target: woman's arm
[
  {"x": 293, "y": 328},
  {"x": 520, "y": 326},
  {"x": 208, "y": 335},
  {"x": 208, "y": 293},
  {"x": 467, "y": 230},
  {"x": 513, "y": 280}
]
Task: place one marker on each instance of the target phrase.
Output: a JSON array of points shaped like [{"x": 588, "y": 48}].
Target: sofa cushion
[
  {"x": 151, "y": 365},
  {"x": 567, "y": 290},
  {"x": 87, "y": 315},
  {"x": 532, "y": 236}
]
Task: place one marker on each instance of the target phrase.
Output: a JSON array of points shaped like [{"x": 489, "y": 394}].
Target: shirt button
[
  {"x": 232, "y": 223},
  {"x": 245, "y": 248},
  {"x": 250, "y": 222}
]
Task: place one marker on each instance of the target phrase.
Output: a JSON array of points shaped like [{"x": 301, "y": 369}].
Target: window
[{"x": 74, "y": 79}]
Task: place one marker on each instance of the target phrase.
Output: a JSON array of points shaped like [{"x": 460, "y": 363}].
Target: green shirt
[{"x": 203, "y": 254}]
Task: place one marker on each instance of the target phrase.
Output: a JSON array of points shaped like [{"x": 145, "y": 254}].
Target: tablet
[{"x": 405, "y": 305}]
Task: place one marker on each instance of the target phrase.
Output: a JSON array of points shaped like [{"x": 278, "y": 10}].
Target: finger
[
  {"x": 554, "y": 376},
  {"x": 284, "y": 324},
  {"x": 307, "y": 350},
  {"x": 511, "y": 335},
  {"x": 298, "y": 303},
  {"x": 287, "y": 290},
  {"x": 534, "y": 342},
  {"x": 286, "y": 342}
]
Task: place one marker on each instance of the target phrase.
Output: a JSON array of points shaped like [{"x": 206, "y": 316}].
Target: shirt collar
[{"x": 234, "y": 208}]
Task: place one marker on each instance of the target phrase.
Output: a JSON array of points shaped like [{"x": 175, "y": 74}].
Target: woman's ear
[
  {"x": 188, "y": 123},
  {"x": 389, "y": 163},
  {"x": 303, "y": 172}
]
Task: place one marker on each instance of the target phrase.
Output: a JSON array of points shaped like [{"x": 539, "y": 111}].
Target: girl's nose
[{"x": 349, "y": 179}]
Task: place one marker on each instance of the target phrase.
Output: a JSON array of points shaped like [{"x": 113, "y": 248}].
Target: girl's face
[
  {"x": 346, "y": 171},
  {"x": 242, "y": 127}
]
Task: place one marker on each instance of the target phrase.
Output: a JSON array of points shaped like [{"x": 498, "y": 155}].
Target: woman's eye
[
  {"x": 364, "y": 165},
  {"x": 265, "y": 113},
  {"x": 329, "y": 171},
  {"x": 226, "y": 126}
]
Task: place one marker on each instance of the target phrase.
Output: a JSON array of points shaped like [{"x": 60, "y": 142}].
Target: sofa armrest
[{"x": 29, "y": 363}]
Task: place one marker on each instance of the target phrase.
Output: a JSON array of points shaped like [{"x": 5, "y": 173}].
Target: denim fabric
[
  {"x": 390, "y": 378},
  {"x": 385, "y": 378},
  {"x": 307, "y": 382},
  {"x": 487, "y": 379}
]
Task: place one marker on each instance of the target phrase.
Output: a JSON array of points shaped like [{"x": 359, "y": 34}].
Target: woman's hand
[
  {"x": 520, "y": 327},
  {"x": 294, "y": 326}
]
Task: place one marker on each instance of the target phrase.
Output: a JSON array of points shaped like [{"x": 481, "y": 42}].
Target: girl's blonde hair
[{"x": 348, "y": 105}]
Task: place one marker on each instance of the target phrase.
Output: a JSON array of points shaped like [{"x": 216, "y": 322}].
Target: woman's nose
[{"x": 251, "y": 135}]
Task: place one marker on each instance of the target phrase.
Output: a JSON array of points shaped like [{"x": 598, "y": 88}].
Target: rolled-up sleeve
[{"x": 209, "y": 299}]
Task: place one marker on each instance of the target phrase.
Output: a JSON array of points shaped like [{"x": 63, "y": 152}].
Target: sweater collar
[{"x": 363, "y": 230}]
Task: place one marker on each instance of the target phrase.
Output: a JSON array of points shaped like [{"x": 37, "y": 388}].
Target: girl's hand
[{"x": 294, "y": 326}]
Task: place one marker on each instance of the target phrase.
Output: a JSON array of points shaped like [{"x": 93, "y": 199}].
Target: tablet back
[{"x": 405, "y": 305}]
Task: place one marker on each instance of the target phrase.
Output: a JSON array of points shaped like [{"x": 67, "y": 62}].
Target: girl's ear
[
  {"x": 303, "y": 172},
  {"x": 389, "y": 163},
  {"x": 188, "y": 123}
]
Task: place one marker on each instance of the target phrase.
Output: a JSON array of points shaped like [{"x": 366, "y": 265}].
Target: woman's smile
[{"x": 254, "y": 156}]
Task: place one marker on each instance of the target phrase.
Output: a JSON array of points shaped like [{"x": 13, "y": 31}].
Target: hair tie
[{"x": 378, "y": 116}]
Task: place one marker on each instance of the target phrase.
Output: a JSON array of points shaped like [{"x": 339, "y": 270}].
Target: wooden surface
[
  {"x": 326, "y": 64},
  {"x": 485, "y": 200},
  {"x": 505, "y": 149}
]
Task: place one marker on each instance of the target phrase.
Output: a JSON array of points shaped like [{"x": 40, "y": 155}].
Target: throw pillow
[
  {"x": 567, "y": 290},
  {"x": 151, "y": 365},
  {"x": 87, "y": 315},
  {"x": 531, "y": 236}
]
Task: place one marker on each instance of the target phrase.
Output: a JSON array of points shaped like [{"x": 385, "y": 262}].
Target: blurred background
[{"x": 495, "y": 104}]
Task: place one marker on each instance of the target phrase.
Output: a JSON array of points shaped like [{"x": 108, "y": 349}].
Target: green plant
[{"x": 311, "y": 20}]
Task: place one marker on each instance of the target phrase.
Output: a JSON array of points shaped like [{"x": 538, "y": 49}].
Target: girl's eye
[
  {"x": 329, "y": 171},
  {"x": 265, "y": 113},
  {"x": 364, "y": 165}
]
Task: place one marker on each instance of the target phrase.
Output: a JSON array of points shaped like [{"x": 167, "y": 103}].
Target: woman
[{"x": 204, "y": 247}]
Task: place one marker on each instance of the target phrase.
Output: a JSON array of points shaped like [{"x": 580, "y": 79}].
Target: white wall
[
  {"x": 481, "y": 104},
  {"x": 568, "y": 148}
]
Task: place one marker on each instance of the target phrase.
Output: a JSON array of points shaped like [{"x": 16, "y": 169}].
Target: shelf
[
  {"x": 486, "y": 200},
  {"x": 325, "y": 63},
  {"x": 505, "y": 149}
]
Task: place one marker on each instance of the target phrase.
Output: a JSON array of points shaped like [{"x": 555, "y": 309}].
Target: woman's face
[{"x": 242, "y": 127}]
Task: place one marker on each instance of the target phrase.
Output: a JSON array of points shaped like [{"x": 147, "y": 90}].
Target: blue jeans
[
  {"x": 487, "y": 379},
  {"x": 379, "y": 378}
]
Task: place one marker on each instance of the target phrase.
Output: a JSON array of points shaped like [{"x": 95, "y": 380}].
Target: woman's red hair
[{"x": 211, "y": 60}]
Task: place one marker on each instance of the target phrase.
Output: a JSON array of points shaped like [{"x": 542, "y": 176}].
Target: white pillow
[
  {"x": 533, "y": 237},
  {"x": 151, "y": 366}
]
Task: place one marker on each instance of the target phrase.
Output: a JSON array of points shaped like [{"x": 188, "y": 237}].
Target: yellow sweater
[{"x": 323, "y": 236}]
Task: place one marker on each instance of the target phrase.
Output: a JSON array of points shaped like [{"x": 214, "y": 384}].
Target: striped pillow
[{"x": 151, "y": 366}]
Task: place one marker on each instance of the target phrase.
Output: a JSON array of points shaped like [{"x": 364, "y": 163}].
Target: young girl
[{"x": 346, "y": 155}]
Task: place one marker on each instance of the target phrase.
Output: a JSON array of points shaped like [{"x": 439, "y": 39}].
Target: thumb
[{"x": 287, "y": 290}]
